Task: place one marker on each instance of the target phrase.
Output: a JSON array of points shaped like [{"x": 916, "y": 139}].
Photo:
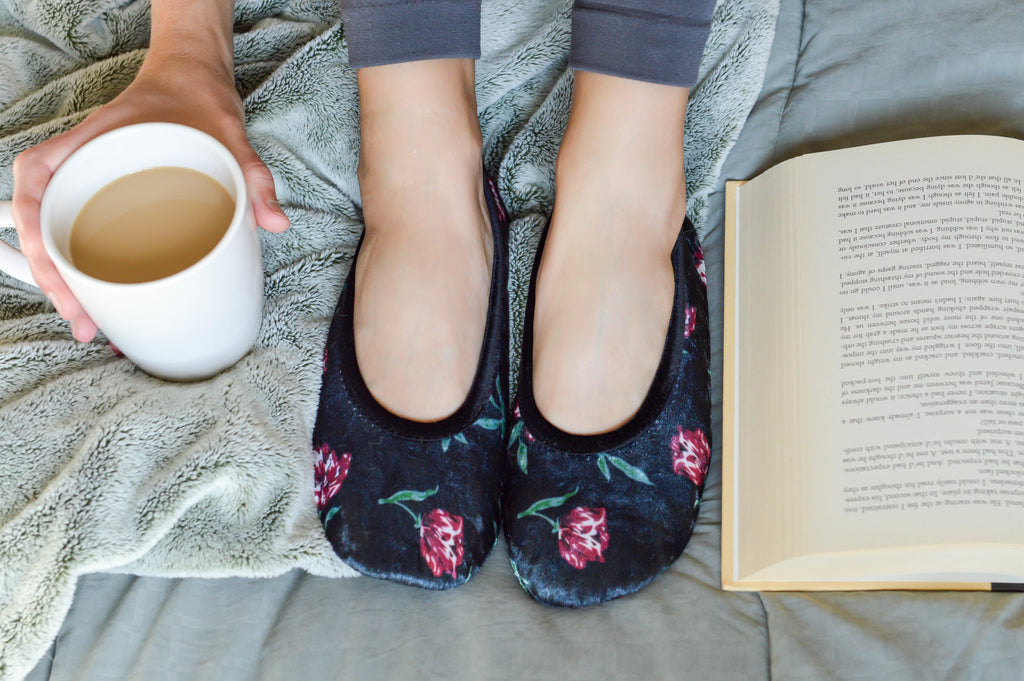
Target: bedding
[
  {"x": 840, "y": 73},
  {"x": 870, "y": 72},
  {"x": 104, "y": 468}
]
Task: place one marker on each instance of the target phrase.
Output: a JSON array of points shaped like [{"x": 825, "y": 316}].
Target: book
[{"x": 873, "y": 400}]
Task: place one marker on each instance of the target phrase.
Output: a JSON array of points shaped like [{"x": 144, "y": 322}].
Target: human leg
[
  {"x": 611, "y": 442},
  {"x": 410, "y": 426},
  {"x": 621, "y": 199},
  {"x": 422, "y": 275},
  {"x": 424, "y": 266},
  {"x": 604, "y": 288}
]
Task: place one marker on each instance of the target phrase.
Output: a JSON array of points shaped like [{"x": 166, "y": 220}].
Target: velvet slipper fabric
[
  {"x": 591, "y": 518},
  {"x": 413, "y": 502}
]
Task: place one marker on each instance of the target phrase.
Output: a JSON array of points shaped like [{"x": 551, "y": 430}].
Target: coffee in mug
[{"x": 150, "y": 224}]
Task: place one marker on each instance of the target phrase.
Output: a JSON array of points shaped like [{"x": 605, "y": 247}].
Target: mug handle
[{"x": 11, "y": 260}]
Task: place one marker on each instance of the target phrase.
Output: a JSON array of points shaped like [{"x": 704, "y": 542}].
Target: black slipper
[
  {"x": 413, "y": 502},
  {"x": 591, "y": 518}
]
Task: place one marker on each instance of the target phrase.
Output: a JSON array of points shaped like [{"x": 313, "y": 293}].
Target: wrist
[
  {"x": 187, "y": 68},
  {"x": 187, "y": 35}
]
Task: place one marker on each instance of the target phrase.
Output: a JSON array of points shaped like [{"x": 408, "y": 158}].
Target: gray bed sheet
[{"x": 841, "y": 73}]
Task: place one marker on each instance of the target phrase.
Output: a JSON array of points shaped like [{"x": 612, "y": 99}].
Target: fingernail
[
  {"x": 275, "y": 206},
  {"x": 53, "y": 301},
  {"x": 73, "y": 325}
]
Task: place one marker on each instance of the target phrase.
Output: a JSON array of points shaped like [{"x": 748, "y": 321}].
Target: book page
[{"x": 911, "y": 347}]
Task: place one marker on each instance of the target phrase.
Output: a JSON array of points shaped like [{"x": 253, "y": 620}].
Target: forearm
[{"x": 192, "y": 31}]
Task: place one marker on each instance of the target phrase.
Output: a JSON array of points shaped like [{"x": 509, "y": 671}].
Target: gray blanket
[{"x": 103, "y": 468}]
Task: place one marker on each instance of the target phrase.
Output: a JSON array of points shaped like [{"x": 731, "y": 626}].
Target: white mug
[{"x": 186, "y": 326}]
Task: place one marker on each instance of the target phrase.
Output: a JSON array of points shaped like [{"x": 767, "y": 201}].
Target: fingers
[
  {"x": 32, "y": 172},
  {"x": 260, "y": 184},
  {"x": 83, "y": 328}
]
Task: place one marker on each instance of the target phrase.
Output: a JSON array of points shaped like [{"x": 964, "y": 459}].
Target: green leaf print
[
  {"x": 488, "y": 424},
  {"x": 545, "y": 504},
  {"x": 632, "y": 472},
  {"x": 408, "y": 495}
]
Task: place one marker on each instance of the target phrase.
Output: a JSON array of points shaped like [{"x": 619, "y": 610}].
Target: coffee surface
[{"x": 150, "y": 224}]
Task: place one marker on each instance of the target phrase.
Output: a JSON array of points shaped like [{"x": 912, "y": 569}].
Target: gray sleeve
[
  {"x": 659, "y": 41},
  {"x": 392, "y": 31}
]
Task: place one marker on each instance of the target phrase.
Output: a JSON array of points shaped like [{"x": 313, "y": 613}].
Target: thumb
[{"x": 260, "y": 184}]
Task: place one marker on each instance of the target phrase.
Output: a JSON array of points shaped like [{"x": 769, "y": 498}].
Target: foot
[
  {"x": 605, "y": 285},
  {"x": 423, "y": 273}
]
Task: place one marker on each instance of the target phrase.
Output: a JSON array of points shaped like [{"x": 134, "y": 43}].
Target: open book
[{"x": 873, "y": 430}]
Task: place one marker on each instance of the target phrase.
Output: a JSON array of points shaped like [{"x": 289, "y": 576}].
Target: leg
[
  {"x": 614, "y": 411},
  {"x": 410, "y": 428},
  {"x": 605, "y": 285},
  {"x": 423, "y": 270},
  {"x": 604, "y": 290}
]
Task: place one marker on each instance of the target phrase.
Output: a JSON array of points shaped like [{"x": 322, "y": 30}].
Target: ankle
[
  {"x": 628, "y": 112},
  {"x": 423, "y": 213},
  {"x": 624, "y": 142},
  {"x": 625, "y": 206},
  {"x": 441, "y": 84},
  {"x": 418, "y": 118}
]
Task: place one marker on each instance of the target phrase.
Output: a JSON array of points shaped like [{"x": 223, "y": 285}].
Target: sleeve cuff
[
  {"x": 637, "y": 45},
  {"x": 392, "y": 33}
]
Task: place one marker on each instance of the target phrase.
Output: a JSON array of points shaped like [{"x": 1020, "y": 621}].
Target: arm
[{"x": 187, "y": 77}]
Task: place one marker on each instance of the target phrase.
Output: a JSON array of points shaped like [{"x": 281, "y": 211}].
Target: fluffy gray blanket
[{"x": 104, "y": 468}]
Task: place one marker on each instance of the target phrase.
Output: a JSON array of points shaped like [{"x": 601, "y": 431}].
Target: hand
[{"x": 196, "y": 94}]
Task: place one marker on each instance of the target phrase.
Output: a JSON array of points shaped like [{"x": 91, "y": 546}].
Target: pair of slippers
[{"x": 586, "y": 518}]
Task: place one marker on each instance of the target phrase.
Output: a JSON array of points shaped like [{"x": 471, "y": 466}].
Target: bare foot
[
  {"x": 423, "y": 273},
  {"x": 605, "y": 286}
]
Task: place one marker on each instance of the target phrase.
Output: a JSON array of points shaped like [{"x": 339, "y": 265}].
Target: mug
[{"x": 186, "y": 326}]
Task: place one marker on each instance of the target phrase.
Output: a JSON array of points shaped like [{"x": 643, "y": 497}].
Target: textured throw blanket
[{"x": 104, "y": 468}]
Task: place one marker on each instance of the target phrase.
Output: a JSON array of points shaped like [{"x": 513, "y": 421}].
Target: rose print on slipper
[
  {"x": 691, "y": 454},
  {"x": 440, "y": 533},
  {"x": 582, "y": 532},
  {"x": 329, "y": 472}
]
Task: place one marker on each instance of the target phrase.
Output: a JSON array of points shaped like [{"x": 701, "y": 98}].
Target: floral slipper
[
  {"x": 591, "y": 518},
  {"x": 411, "y": 502}
]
